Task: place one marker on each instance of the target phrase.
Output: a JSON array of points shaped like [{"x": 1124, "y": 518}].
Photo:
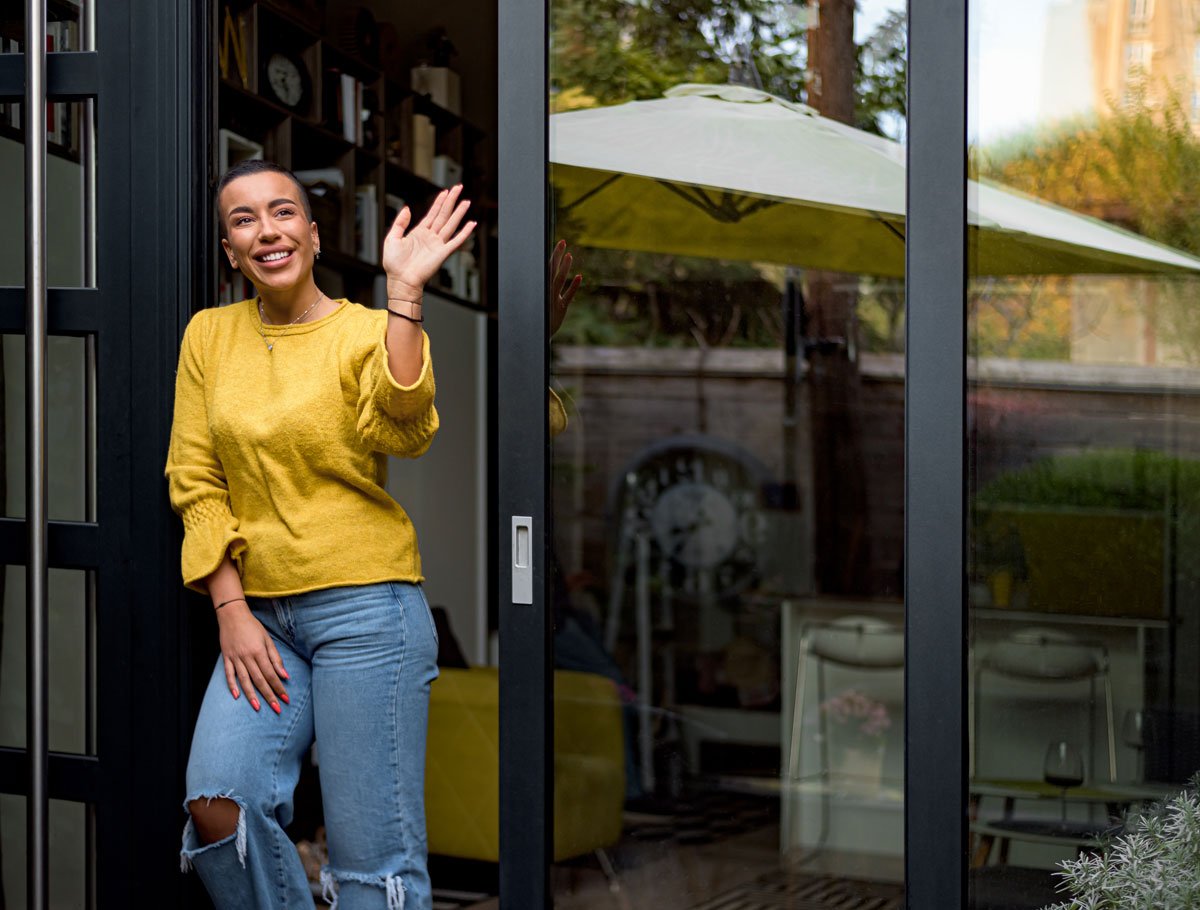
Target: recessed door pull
[{"x": 522, "y": 559}]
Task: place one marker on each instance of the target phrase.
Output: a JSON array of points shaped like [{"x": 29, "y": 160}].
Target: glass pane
[
  {"x": 67, "y": 27},
  {"x": 1084, "y": 452},
  {"x": 70, "y": 455},
  {"x": 12, "y": 26},
  {"x": 70, "y": 853},
  {"x": 71, "y": 667},
  {"x": 728, "y": 486},
  {"x": 69, "y": 187}
]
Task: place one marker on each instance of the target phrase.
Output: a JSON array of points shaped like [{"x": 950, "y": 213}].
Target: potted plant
[
  {"x": 1153, "y": 865},
  {"x": 856, "y": 726}
]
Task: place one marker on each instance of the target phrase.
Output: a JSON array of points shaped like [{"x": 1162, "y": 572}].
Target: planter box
[{"x": 1097, "y": 562}]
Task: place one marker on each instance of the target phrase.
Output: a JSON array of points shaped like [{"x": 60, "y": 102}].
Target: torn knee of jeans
[
  {"x": 191, "y": 841},
  {"x": 389, "y": 883}
]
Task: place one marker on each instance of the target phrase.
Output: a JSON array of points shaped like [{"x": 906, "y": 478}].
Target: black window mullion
[
  {"x": 70, "y": 75},
  {"x": 72, "y": 777},
  {"x": 935, "y": 458},
  {"x": 526, "y": 659}
]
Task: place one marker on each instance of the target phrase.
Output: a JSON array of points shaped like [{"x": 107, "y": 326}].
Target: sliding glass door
[{"x": 702, "y": 452}]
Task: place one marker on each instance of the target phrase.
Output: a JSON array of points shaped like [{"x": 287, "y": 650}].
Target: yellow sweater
[{"x": 279, "y": 457}]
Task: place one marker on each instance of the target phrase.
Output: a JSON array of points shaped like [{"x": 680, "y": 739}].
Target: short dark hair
[{"x": 253, "y": 166}]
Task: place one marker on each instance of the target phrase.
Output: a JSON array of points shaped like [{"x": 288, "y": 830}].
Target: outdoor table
[{"x": 1083, "y": 836}]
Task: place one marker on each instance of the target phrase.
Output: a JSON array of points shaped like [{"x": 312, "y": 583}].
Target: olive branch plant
[{"x": 1153, "y": 865}]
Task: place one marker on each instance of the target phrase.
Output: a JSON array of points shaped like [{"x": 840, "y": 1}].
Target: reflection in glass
[
  {"x": 1084, "y": 404},
  {"x": 68, "y": 461},
  {"x": 71, "y": 667},
  {"x": 70, "y": 865},
  {"x": 727, "y": 467},
  {"x": 67, "y": 212}
]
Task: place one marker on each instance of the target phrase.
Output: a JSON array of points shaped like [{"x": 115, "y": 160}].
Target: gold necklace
[{"x": 262, "y": 319}]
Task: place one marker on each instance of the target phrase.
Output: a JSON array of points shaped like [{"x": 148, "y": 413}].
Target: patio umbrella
[{"x": 731, "y": 172}]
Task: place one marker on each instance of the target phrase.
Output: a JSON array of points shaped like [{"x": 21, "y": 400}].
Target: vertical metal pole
[
  {"x": 935, "y": 698},
  {"x": 36, "y": 679},
  {"x": 87, "y": 150}
]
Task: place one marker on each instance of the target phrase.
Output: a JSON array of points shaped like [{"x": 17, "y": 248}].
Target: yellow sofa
[{"x": 462, "y": 764}]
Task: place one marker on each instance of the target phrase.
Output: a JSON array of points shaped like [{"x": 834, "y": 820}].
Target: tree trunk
[{"x": 839, "y": 472}]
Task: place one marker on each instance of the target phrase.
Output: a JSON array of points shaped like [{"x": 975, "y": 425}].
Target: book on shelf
[
  {"x": 326, "y": 188},
  {"x": 233, "y": 287},
  {"x": 344, "y": 95},
  {"x": 61, "y": 116},
  {"x": 366, "y": 223}
]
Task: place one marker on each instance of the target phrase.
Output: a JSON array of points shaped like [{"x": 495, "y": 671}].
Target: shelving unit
[
  {"x": 313, "y": 133},
  {"x": 64, "y": 34}
]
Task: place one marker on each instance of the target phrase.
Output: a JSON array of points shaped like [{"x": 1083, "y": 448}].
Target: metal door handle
[
  {"x": 36, "y": 623},
  {"x": 522, "y": 559}
]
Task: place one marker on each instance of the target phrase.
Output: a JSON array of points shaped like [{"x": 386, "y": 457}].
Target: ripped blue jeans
[{"x": 361, "y": 660}]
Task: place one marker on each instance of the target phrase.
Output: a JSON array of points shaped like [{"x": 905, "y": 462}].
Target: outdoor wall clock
[
  {"x": 699, "y": 500},
  {"x": 288, "y": 81}
]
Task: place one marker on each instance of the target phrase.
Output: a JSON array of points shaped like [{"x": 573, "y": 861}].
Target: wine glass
[{"x": 1063, "y": 768}]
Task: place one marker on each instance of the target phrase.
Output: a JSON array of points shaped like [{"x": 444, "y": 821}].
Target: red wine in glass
[{"x": 1063, "y": 768}]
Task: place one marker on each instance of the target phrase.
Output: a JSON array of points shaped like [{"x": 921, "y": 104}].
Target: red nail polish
[
  {"x": 285, "y": 674},
  {"x": 275, "y": 707},
  {"x": 236, "y": 693},
  {"x": 254, "y": 704},
  {"x": 286, "y": 700}
]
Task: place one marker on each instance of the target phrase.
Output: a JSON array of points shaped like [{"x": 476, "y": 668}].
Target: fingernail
[
  {"x": 285, "y": 674},
  {"x": 254, "y": 704},
  {"x": 275, "y": 707},
  {"x": 286, "y": 700},
  {"x": 236, "y": 693}
]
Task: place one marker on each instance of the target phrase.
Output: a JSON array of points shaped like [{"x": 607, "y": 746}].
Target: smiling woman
[{"x": 273, "y": 464}]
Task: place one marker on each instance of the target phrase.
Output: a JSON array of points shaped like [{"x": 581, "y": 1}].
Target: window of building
[{"x": 1138, "y": 55}]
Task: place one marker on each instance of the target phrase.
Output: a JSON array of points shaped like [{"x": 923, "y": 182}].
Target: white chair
[
  {"x": 1049, "y": 656},
  {"x": 856, "y": 642}
]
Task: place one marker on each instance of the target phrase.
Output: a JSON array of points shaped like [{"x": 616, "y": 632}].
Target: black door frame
[
  {"x": 148, "y": 76},
  {"x": 935, "y": 456}
]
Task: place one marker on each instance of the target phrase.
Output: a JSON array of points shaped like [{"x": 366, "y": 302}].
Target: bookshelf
[
  {"x": 63, "y": 118},
  {"x": 302, "y": 89}
]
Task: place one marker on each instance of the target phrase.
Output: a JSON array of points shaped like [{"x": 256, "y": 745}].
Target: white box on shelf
[
  {"x": 446, "y": 171},
  {"x": 441, "y": 84},
  {"x": 233, "y": 149}
]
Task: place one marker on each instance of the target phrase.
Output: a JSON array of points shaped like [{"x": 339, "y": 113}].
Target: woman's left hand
[{"x": 411, "y": 259}]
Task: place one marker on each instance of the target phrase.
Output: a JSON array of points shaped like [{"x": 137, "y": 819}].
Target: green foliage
[
  {"x": 611, "y": 51},
  {"x": 882, "y": 78},
  {"x": 1133, "y": 479},
  {"x": 1137, "y": 166},
  {"x": 1153, "y": 865},
  {"x": 654, "y": 300}
]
